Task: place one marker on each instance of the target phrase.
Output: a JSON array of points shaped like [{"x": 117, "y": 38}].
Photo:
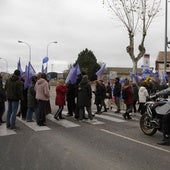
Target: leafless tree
[{"x": 136, "y": 16}]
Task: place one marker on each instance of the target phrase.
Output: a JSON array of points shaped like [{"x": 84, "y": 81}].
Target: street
[{"x": 108, "y": 143}]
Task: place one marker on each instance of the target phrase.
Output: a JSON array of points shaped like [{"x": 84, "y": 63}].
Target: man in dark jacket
[
  {"x": 84, "y": 98},
  {"x": 117, "y": 93},
  {"x": 14, "y": 91}
]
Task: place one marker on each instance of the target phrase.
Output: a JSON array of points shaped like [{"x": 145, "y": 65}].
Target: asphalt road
[{"x": 109, "y": 143}]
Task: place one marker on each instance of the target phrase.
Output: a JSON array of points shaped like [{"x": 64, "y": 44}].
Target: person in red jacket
[
  {"x": 127, "y": 95},
  {"x": 60, "y": 99}
]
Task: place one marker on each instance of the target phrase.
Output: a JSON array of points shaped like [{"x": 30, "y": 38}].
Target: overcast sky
[{"x": 75, "y": 25}]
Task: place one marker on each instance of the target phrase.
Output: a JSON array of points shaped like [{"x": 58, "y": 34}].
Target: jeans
[
  {"x": 30, "y": 112},
  {"x": 11, "y": 113}
]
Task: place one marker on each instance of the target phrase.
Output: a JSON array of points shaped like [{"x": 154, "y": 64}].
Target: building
[{"x": 159, "y": 63}]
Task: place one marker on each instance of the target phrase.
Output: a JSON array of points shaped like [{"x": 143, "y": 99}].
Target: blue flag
[
  {"x": 100, "y": 72},
  {"x": 29, "y": 72},
  {"x": 19, "y": 66},
  {"x": 73, "y": 73},
  {"x": 45, "y": 60}
]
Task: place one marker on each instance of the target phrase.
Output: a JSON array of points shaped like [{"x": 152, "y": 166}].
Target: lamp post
[
  {"x": 166, "y": 37},
  {"x": 55, "y": 42},
  {"x": 28, "y": 47},
  {"x": 6, "y": 64}
]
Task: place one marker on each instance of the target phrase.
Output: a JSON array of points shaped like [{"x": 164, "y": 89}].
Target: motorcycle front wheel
[{"x": 146, "y": 125}]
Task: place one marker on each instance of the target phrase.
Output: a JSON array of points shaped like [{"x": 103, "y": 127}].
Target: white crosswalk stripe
[
  {"x": 63, "y": 122},
  {"x": 5, "y": 132},
  {"x": 94, "y": 122},
  {"x": 67, "y": 123},
  {"x": 33, "y": 125},
  {"x": 113, "y": 119}
]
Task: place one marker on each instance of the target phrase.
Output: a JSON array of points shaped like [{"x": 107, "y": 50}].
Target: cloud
[{"x": 76, "y": 25}]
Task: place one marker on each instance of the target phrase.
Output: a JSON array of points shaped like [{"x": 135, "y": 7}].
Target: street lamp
[
  {"x": 55, "y": 42},
  {"x": 28, "y": 47},
  {"x": 6, "y": 64},
  {"x": 166, "y": 37}
]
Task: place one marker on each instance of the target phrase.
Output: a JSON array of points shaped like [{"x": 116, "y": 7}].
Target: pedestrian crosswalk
[
  {"x": 33, "y": 125},
  {"x": 66, "y": 123},
  {"x": 5, "y": 132}
]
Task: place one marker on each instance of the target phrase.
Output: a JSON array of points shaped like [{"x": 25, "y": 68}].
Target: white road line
[
  {"x": 120, "y": 115},
  {"x": 63, "y": 122},
  {"x": 34, "y": 126},
  {"x": 5, "y": 132},
  {"x": 136, "y": 141},
  {"x": 110, "y": 118},
  {"x": 94, "y": 122}
]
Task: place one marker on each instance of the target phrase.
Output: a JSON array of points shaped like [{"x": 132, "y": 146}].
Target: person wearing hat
[{"x": 14, "y": 92}]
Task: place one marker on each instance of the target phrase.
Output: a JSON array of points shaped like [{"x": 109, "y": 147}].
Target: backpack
[{"x": 124, "y": 94}]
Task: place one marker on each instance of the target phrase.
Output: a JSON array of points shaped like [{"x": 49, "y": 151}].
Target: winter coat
[
  {"x": 143, "y": 94},
  {"x": 128, "y": 90},
  {"x": 117, "y": 90},
  {"x": 84, "y": 94},
  {"x": 2, "y": 95},
  {"x": 31, "y": 100},
  {"x": 42, "y": 90},
  {"x": 60, "y": 99},
  {"x": 108, "y": 92},
  {"x": 135, "y": 92},
  {"x": 14, "y": 88},
  {"x": 98, "y": 94}
]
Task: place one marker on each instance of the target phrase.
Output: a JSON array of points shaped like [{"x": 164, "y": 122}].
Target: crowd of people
[{"x": 33, "y": 102}]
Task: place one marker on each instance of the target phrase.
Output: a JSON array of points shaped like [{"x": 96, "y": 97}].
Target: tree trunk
[{"x": 135, "y": 64}]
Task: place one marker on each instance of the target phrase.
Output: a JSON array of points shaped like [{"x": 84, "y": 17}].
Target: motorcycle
[{"x": 157, "y": 106}]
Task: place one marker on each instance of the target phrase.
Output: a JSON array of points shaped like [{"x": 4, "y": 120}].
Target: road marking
[
  {"x": 94, "y": 122},
  {"x": 110, "y": 118},
  {"x": 120, "y": 115},
  {"x": 63, "y": 122},
  {"x": 5, "y": 132},
  {"x": 131, "y": 139},
  {"x": 34, "y": 126}
]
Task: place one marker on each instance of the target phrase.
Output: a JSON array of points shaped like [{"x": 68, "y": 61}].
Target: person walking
[
  {"x": 60, "y": 99},
  {"x": 31, "y": 102},
  {"x": 84, "y": 98},
  {"x": 135, "y": 96},
  {"x": 127, "y": 95},
  {"x": 98, "y": 96},
  {"x": 143, "y": 94},
  {"x": 70, "y": 97},
  {"x": 103, "y": 95},
  {"x": 42, "y": 95},
  {"x": 117, "y": 94},
  {"x": 108, "y": 96},
  {"x": 14, "y": 92},
  {"x": 2, "y": 100}
]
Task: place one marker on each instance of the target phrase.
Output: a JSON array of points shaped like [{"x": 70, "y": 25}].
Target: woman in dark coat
[
  {"x": 84, "y": 97},
  {"x": 98, "y": 96},
  {"x": 135, "y": 96},
  {"x": 128, "y": 92},
  {"x": 60, "y": 98}
]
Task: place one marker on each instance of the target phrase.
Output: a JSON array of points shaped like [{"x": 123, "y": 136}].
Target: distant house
[
  {"x": 112, "y": 72},
  {"x": 159, "y": 63}
]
